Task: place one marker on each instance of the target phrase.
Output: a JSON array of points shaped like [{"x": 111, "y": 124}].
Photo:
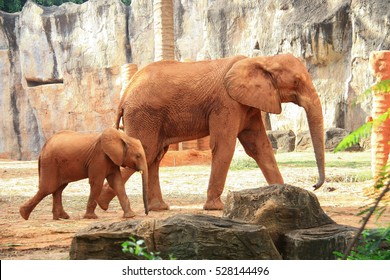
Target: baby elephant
[{"x": 69, "y": 156}]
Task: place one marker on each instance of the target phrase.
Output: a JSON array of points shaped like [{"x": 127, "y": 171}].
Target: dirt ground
[{"x": 183, "y": 187}]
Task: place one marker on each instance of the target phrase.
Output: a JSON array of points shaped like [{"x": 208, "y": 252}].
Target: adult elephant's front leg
[{"x": 222, "y": 153}]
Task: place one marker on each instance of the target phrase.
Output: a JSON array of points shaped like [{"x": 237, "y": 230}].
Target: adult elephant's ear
[
  {"x": 250, "y": 83},
  {"x": 113, "y": 145}
]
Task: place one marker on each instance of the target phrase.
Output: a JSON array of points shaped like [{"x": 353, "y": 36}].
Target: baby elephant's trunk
[{"x": 145, "y": 189}]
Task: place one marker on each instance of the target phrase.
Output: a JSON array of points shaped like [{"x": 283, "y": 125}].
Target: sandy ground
[{"x": 184, "y": 189}]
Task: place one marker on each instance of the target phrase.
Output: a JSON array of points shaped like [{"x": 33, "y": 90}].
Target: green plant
[
  {"x": 374, "y": 245},
  {"x": 137, "y": 248}
]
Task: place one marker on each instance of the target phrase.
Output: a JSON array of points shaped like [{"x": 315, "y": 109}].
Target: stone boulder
[
  {"x": 280, "y": 208},
  {"x": 282, "y": 140},
  {"x": 303, "y": 142},
  {"x": 293, "y": 217},
  {"x": 317, "y": 243},
  {"x": 103, "y": 240},
  {"x": 184, "y": 236},
  {"x": 333, "y": 137},
  {"x": 208, "y": 237}
]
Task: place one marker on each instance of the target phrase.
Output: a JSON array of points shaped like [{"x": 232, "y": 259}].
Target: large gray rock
[
  {"x": 208, "y": 237},
  {"x": 282, "y": 140},
  {"x": 333, "y": 137},
  {"x": 293, "y": 217},
  {"x": 184, "y": 236},
  {"x": 318, "y": 243},
  {"x": 303, "y": 141},
  {"x": 103, "y": 241},
  {"x": 280, "y": 208}
]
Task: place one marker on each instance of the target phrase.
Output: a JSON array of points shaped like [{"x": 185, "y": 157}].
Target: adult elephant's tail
[{"x": 119, "y": 116}]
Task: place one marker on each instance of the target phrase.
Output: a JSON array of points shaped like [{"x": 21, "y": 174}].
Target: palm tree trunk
[
  {"x": 163, "y": 30},
  {"x": 380, "y": 147}
]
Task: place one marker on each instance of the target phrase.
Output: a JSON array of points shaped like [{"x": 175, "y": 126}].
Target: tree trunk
[
  {"x": 163, "y": 30},
  {"x": 380, "y": 63}
]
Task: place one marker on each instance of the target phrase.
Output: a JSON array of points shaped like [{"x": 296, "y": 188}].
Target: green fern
[
  {"x": 362, "y": 132},
  {"x": 381, "y": 87}
]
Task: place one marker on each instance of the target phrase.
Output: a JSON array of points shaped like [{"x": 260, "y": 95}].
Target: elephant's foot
[
  {"x": 25, "y": 213},
  {"x": 157, "y": 205},
  {"x": 61, "y": 215},
  {"x": 103, "y": 204},
  {"x": 213, "y": 204},
  {"x": 90, "y": 216},
  {"x": 129, "y": 214}
]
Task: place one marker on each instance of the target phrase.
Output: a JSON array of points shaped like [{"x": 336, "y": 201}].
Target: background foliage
[{"x": 12, "y": 6}]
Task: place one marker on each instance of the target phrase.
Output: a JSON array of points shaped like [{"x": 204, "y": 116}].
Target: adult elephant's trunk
[
  {"x": 316, "y": 126},
  {"x": 145, "y": 183}
]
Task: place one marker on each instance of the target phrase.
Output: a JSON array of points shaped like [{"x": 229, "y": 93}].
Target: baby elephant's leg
[
  {"x": 115, "y": 180},
  {"x": 96, "y": 188},
  {"x": 26, "y": 209},
  {"x": 58, "y": 209}
]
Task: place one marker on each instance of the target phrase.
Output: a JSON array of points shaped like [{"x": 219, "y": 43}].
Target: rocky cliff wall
[
  {"x": 59, "y": 69},
  {"x": 59, "y": 66}
]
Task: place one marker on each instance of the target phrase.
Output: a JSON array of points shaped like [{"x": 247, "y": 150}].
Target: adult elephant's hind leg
[
  {"x": 107, "y": 193},
  {"x": 222, "y": 154},
  {"x": 257, "y": 145}
]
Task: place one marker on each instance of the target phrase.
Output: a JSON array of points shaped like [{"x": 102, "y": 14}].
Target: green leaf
[
  {"x": 381, "y": 87},
  {"x": 362, "y": 132},
  {"x": 354, "y": 137}
]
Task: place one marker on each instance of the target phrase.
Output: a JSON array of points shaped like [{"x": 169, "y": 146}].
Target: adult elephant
[{"x": 168, "y": 102}]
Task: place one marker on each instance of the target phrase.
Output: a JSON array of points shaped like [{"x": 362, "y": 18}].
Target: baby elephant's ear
[{"x": 113, "y": 145}]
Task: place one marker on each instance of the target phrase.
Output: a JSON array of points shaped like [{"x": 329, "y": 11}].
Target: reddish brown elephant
[
  {"x": 169, "y": 102},
  {"x": 69, "y": 156}
]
